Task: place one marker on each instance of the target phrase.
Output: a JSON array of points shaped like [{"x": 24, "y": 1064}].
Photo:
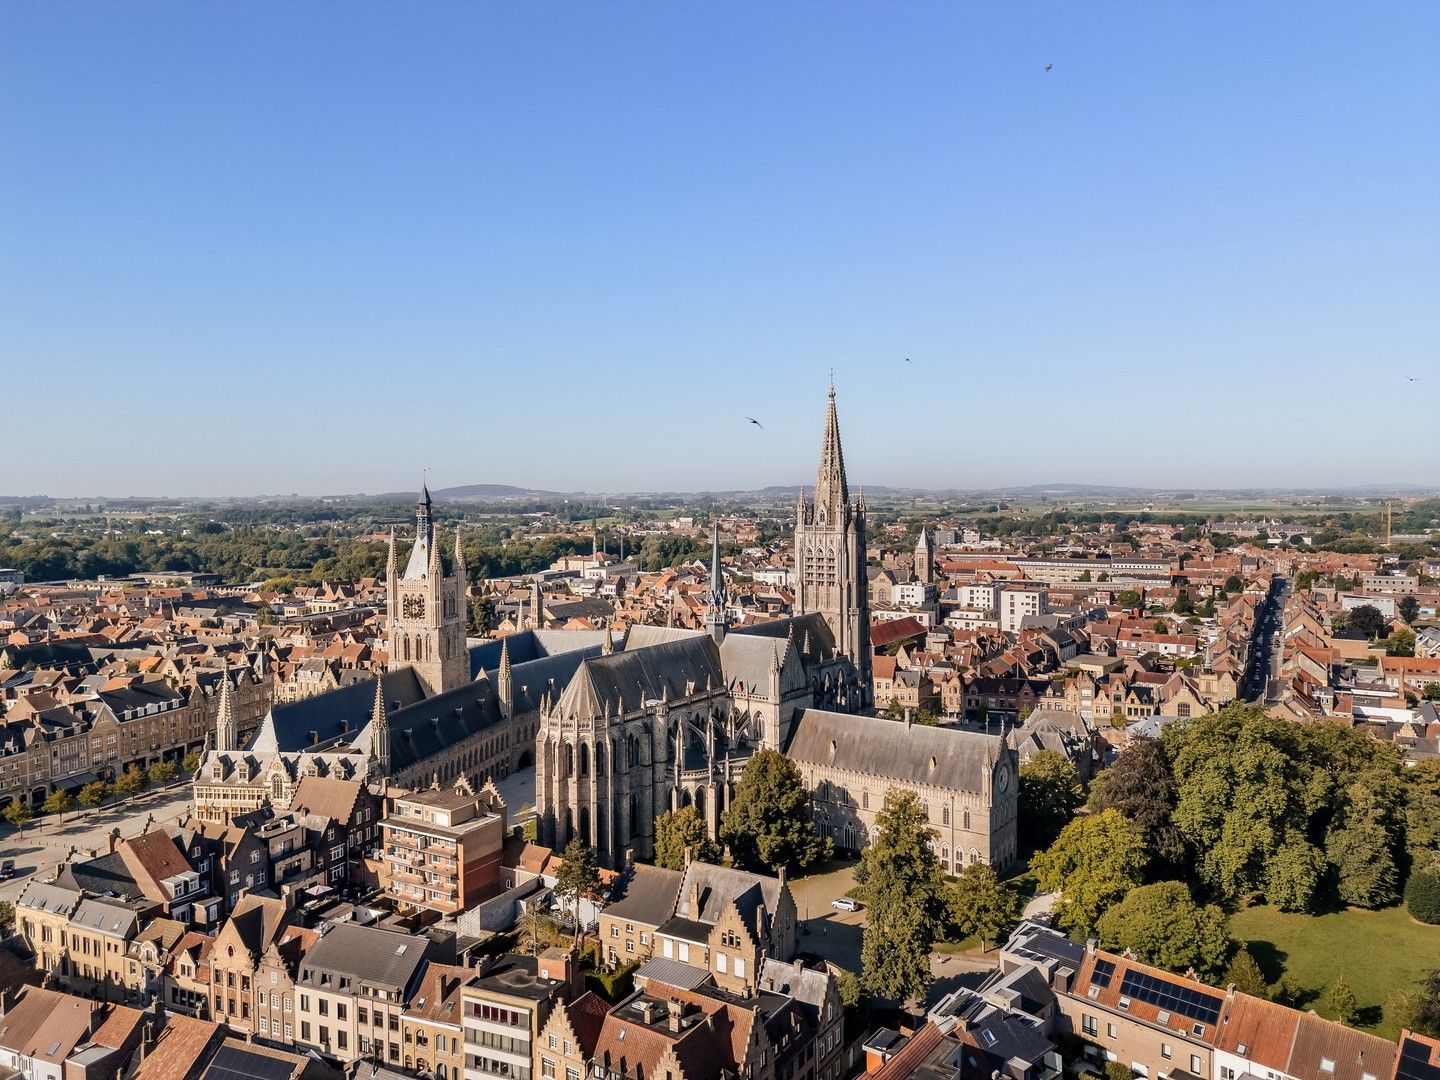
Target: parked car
[
  {"x": 845, "y": 903},
  {"x": 7, "y": 869}
]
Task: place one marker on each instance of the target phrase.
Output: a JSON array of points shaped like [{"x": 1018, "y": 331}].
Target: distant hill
[{"x": 478, "y": 493}]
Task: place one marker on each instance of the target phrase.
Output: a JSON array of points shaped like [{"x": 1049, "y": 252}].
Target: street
[
  {"x": 46, "y": 842},
  {"x": 1264, "y": 659}
]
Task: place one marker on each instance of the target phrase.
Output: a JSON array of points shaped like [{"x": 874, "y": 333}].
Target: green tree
[
  {"x": 482, "y": 615},
  {"x": 1245, "y": 974},
  {"x": 1419, "y": 1007},
  {"x": 7, "y": 917},
  {"x": 131, "y": 782},
  {"x": 1129, "y": 598},
  {"x": 577, "y": 879},
  {"x": 1409, "y": 608},
  {"x": 1048, "y": 797},
  {"x": 94, "y": 793},
  {"x": 1400, "y": 643},
  {"x": 19, "y": 814},
  {"x": 1141, "y": 785},
  {"x": 59, "y": 802},
  {"x": 1163, "y": 925},
  {"x": 769, "y": 824},
  {"x": 191, "y": 762},
  {"x": 677, "y": 830},
  {"x": 1358, "y": 848},
  {"x": 1422, "y": 894},
  {"x": 1366, "y": 619},
  {"x": 900, "y": 879},
  {"x": 1118, "y": 1070},
  {"x": 162, "y": 772},
  {"x": 1339, "y": 1001},
  {"x": 1233, "y": 584},
  {"x": 1253, "y": 790},
  {"x": 925, "y": 718},
  {"x": 1093, "y": 863},
  {"x": 983, "y": 905}
]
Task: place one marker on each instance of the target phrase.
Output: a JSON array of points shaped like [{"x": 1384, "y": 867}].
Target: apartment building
[
  {"x": 507, "y": 1001},
  {"x": 1017, "y": 601},
  {"x": 352, "y": 989},
  {"x": 442, "y": 847}
]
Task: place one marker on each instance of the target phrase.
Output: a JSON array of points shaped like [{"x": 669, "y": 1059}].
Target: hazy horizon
[{"x": 318, "y": 247}]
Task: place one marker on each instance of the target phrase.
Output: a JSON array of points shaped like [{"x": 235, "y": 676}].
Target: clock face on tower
[
  {"x": 413, "y": 607},
  {"x": 1002, "y": 778}
]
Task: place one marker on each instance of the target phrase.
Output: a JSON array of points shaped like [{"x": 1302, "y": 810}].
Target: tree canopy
[
  {"x": 677, "y": 830},
  {"x": 983, "y": 905},
  {"x": 769, "y": 823},
  {"x": 1048, "y": 797},
  {"x": 1141, "y": 786},
  {"x": 903, "y": 885},
  {"x": 1272, "y": 807},
  {"x": 1163, "y": 925},
  {"x": 1093, "y": 863}
]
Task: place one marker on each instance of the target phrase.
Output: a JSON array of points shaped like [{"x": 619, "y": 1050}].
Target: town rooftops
[
  {"x": 369, "y": 955},
  {"x": 933, "y": 756},
  {"x": 646, "y": 894}
]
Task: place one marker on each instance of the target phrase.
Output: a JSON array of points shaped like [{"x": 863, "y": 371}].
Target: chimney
[
  {"x": 647, "y": 1010},
  {"x": 689, "y": 855},
  {"x": 676, "y": 1011}
]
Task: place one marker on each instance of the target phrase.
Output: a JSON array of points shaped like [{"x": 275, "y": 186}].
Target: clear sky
[{"x": 303, "y": 247}]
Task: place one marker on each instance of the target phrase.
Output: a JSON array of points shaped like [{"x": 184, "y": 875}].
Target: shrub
[{"x": 1422, "y": 895}]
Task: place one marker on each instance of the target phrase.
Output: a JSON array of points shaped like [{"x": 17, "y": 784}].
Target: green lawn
[{"x": 1378, "y": 952}]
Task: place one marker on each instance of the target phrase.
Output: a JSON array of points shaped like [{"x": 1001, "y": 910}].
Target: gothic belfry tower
[
  {"x": 427, "y": 608},
  {"x": 924, "y": 560},
  {"x": 830, "y": 575}
]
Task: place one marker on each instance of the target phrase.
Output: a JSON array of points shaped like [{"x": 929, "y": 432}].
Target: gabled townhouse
[
  {"x": 642, "y": 898},
  {"x": 507, "y": 1001},
  {"x": 727, "y": 921}
]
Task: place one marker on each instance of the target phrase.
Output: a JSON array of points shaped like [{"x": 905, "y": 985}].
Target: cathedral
[{"x": 673, "y": 718}]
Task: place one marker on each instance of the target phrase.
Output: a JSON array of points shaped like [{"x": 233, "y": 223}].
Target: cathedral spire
[
  {"x": 832, "y": 492},
  {"x": 715, "y": 611},
  {"x": 459, "y": 555}
]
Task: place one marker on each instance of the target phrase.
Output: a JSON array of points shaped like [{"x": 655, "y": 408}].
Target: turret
[
  {"x": 505, "y": 690},
  {"x": 715, "y": 610},
  {"x": 380, "y": 728},
  {"x": 225, "y": 736}
]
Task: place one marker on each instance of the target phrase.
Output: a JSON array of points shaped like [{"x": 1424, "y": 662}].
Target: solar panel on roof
[
  {"x": 1185, "y": 1000},
  {"x": 1415, "y": 1062},
  {"x": 1103, "y": 973}
]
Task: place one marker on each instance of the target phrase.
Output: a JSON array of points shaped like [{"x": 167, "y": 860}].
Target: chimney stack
[{"x": 676, "y": 1011}]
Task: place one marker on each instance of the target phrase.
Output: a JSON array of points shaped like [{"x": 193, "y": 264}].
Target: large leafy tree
[
  {"x": 1367, "y": 619},
  {"x": 679, "y": 830},
  {"x": 1258, "y": 799},
  {"x": 1358, "y": 848},
  {"x": 1093, "y": 863},
  {"x": 903, "y": 886},
  {"x": 983, "y": 905},
  {"x": 1048, "y": 797},
  {"x": 1141, "y": 786},
  {"x": 769, "y": 824},
  {"x": 1418, "y": 1008},
  {"x": 1163, "y": 925}
]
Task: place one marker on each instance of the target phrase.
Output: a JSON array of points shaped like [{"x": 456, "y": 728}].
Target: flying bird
[
  {"x": 1412, "y": 378},
  {"x": 907, "y": 360},
  {"x": 1049, "y": 66},
  {"x": 755, "y": 422}
]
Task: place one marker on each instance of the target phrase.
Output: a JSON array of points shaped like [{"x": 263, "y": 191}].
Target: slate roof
[
  {"x": 427, "y": 727},
  {"x": 45, "y": 1025},
  {"x": 327, "y": 797},
  {"x": 889, "y": 750},
  {"x": 370, "y": 955},
  {"x": 623, "y": 681},
  {"x": 672, "y": 973},
  {"x": 715, "y": 887},
  {"x": 645, "y": 894},
  {"x": 289, "y": 724}
]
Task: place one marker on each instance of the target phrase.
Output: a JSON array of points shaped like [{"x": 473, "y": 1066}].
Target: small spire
[
  {"x": 225, "y": 716},
  {"x": 390, "y": 561},
  {"x": 459, "y": 555}
]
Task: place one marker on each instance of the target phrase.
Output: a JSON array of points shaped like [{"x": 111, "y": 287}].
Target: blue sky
[{"x": 275, "y": 247}]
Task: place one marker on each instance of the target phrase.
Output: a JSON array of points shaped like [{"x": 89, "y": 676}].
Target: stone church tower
[
  {"x": 830, "y": 574},
  {"x": 427, "y": 609}
]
